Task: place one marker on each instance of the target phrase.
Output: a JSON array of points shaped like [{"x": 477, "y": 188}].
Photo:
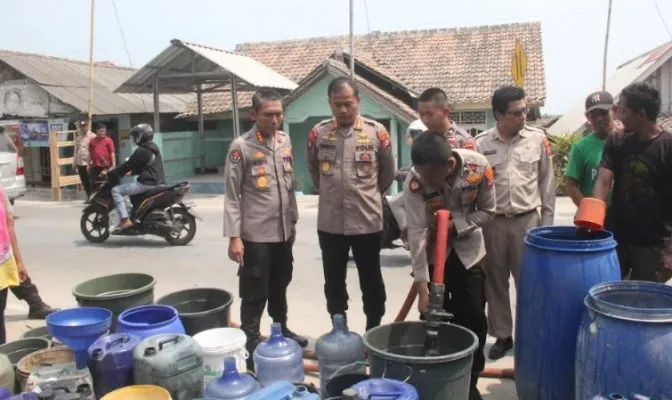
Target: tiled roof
[
  {"x": 68, "y": 81},
  {"x": 469, "y": 63}
]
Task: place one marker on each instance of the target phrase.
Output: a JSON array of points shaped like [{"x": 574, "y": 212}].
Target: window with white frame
[{"x": 473, "y": 122}]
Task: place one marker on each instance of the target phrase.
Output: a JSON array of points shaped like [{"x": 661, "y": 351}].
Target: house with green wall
[{"x": 392, "y": 69}]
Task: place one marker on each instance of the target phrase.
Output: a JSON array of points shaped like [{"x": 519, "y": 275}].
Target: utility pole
[
  {"x": 352, "y": 39},
  {"x": 606, "y": 48},
  {"x": 93, "y": 13}
]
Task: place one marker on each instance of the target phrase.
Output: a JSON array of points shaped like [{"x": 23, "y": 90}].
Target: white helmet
[{"x": 414, "y": 129}]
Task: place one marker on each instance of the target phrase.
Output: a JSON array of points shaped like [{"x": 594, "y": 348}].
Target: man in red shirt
[{"x": 101, "y": 150}]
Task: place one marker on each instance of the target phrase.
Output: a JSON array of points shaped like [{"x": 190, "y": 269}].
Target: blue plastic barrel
[
  {"x": 624, "y": 343},
  {"x": 557, "y": 270},
  {"x": 147, "y": 321}
]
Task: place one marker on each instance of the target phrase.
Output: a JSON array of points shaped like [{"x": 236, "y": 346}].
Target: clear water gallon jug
[
  {"x": 232, "y": 385},
  {"x": 278, "y": 359},
  {"x": 339, "y": 352}
]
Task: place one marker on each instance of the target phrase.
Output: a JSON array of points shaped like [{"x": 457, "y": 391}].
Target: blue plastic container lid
[{"x": 388, "y": 388}]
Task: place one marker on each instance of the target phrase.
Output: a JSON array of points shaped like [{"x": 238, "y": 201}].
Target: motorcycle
[{"x": 160, "y": 211}]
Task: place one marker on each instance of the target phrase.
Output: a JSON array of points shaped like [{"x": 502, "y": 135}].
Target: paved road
[{"x": 58, "y": 258}]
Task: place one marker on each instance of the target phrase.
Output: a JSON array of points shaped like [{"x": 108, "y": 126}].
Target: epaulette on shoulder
[
  {"x": 535, "y": 129},
  {"x": 482, "y": 134},
  {"x": 371, "y": 122}
]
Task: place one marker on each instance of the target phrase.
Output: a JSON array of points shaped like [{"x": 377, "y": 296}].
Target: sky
[{"x": 573, "y": 31}]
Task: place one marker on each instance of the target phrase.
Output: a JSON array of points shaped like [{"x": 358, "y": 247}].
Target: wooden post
[
  {"x": 55, "y": 170},
  {"x": 91, "y": 47}
]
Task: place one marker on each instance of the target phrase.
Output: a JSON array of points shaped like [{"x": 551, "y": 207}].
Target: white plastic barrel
[{"x": 219, "y": 343}]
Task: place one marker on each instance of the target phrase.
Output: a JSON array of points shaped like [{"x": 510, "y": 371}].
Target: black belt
[{"x": 512, "y": 216}]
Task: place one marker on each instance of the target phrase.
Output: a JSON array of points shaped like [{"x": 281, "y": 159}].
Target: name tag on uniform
[{"x": 489, "y": 152}]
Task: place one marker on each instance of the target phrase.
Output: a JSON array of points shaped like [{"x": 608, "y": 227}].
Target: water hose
[
  {"x": 435, "y": 313},
  {"x": 443, "y": 217}
]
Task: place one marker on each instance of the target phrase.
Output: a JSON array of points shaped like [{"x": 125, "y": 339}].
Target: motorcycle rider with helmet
[{"x": 145, "y": 162}]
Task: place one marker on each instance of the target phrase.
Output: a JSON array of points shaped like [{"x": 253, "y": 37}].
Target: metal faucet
[{"x": 436, "y": 315}]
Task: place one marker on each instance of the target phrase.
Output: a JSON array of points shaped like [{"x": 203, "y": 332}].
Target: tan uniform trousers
[{"x": 504, "y": 246}]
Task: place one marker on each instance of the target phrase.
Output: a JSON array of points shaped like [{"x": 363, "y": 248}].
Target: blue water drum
[
  {"x": 146, "y": 321},
  {"x": 559, "y": 267},
  {"x": 111, "y": 362},
  {"x": 624, "y": 343},
  {"x": 385, "y": 389}
]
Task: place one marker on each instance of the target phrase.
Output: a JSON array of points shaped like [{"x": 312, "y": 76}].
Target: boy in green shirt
[{"x": 586, "y": 154}]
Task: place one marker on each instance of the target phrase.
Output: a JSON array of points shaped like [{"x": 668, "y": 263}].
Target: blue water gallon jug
[
  {"x": 339, "y": 352},
  {"x": 231, "y": 385},
  {"x": 613, "y": 396},
  {"x": 278, "y": 359},
  {"x": 146, "y": 321},
  {"x": 385, "y": 388},
  {"x": 283, "y": 391},
  {"x": 111, "y": 362},
  {"x": 558, "y": 268},
  {"x": 624, "y": 342},
  {"x": 23, "y": 396}
]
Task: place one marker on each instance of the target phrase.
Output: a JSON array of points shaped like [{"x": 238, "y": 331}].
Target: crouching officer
[
  {"x": 462, "y": 182},
  {"x": 260, "y": 216}
]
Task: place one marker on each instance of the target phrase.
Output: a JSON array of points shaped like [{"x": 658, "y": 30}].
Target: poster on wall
[
  {"x": 59, "y": 125},
  {"x": 35, "y": 133}
]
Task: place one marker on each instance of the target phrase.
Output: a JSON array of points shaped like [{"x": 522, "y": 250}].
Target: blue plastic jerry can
[{"x": 283, "y": 391}]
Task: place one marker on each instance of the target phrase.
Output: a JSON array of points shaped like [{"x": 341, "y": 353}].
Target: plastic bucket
[
  {"x": 591, "y": 214},
  {"x": 116, "y": 293},
  {"x": 217, "y": 344},
  {"x": 397, "y": 351},
  {"x": 336, "y": 385},
  {"x": 200, "y": 309},
  {"x": 138, "y": 392},
  {"x": 57, "y": 355}
]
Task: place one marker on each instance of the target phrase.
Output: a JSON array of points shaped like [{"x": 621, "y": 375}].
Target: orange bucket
[{"x": 591, "y": 214}]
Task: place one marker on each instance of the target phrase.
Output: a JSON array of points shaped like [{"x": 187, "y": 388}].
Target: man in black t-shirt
[{"x": 638, "y": 162}]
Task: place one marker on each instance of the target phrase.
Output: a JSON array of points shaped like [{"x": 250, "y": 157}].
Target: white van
[{"x": 11, "y": 169}]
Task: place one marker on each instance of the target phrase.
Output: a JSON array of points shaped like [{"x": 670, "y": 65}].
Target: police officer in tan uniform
[
  {"x": 521, "y": 159},
  {"x": 462, "y": 182},
  {"x": 351, "y": 163},
  {"x": 260, "y": 216},
  {"x": 435, "y": 111}
]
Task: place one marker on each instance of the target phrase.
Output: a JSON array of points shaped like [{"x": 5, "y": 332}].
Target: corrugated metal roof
[
  {"x": 177, "y": 58},
  {"x": 635, "y": 70},
  {"x": 68, "y": 80}
]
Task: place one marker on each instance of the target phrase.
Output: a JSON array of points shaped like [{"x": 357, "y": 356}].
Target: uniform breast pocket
[
  {"x": 364, "y": 163},
  {"x": 327, "y": 158},
  {"x": 527, "y": 159},
  {"x": 260, "y": 177}
]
